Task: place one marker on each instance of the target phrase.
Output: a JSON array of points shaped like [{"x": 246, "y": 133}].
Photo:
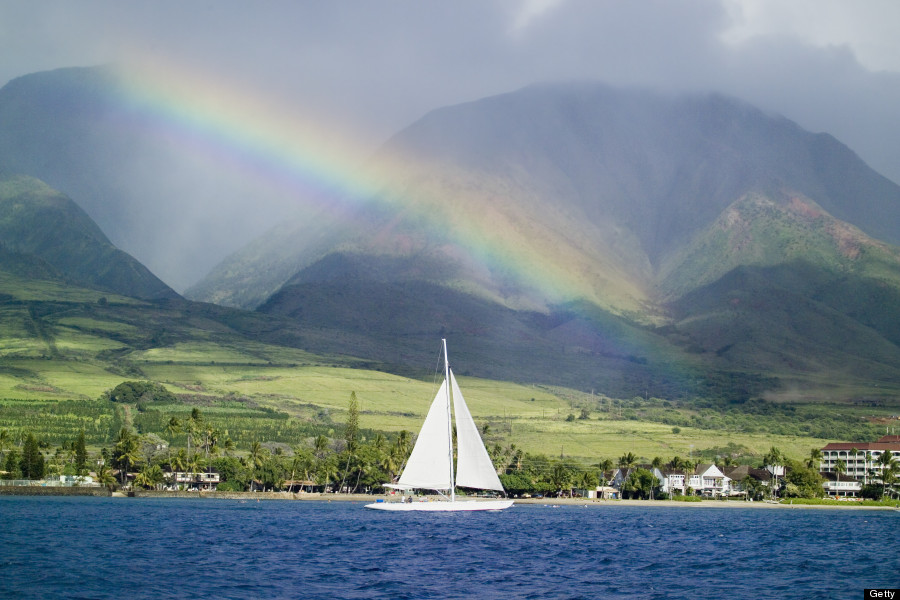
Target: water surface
[{"x": 203, "y": 548}]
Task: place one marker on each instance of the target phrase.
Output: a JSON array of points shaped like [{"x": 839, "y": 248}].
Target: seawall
[{"x": 39, "y": 490}]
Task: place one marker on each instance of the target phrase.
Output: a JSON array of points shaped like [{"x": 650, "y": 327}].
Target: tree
[
  {"x": 605, "y": 465},
  {"x": 13, "y": 463},
  {"x": 840, "y": 467},
  {"x": 258, "y": 455},
  {"x": 867, "y": 458},
  {"x": 80, "y": 455},
  {"x": 560, "y": 476},
  {"x": 151, "y": 476},
  {"x": 688, "y": 467},
  {"x": 351, "y": 436},
  {"x": 351, "y": 432},
  {"x": 302, "y": 463},
  {"x": 178, "y": 464},
  {"x": 126, "y": 452},
  {"x": 4, "y": 443},
  {"x": 754, "y": 488},
  {"x": 815, "y": 458},
  {"x": 105, "y": 477},
  {"x": 326, "y": 470},
  {"x": 889, "y": 470},
  {"x": 192, "y": 427},
  {"x": 640, "y": 483},
  {"x": 132, "y": 392},
  {"x": 774, "y": 458},
  {"x": 32, "y": 462},
  {"x": 627, "y": 460},
  {"x": 803, "y": 482},
  {"x": 587, "y": 480}
]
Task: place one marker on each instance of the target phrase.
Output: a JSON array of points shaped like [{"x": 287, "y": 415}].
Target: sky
[{"x": 367, "y": 69}]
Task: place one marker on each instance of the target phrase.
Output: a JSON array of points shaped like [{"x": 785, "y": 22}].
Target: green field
[
  {"x": 62, "y": 349},
  {"x": 255, "y": 399}
]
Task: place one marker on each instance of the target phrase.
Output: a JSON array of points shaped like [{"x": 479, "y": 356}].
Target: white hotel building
[{"x": 862, "y": 458}]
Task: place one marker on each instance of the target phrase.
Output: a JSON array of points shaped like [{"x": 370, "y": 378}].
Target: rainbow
[{"x": 317, "y": 162}]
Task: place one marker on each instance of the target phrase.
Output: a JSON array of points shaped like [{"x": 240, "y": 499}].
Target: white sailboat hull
[{"x": 442, "y": 506}]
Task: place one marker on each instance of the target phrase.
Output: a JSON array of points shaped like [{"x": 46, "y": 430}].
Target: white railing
[{"x": 45, "y": 483}]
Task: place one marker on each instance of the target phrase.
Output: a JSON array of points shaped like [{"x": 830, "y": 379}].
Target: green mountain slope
[
  {"x": 41, "y": 223},
  {"x": 780, "y": 285},
  {"x": 631, "y": 218}
]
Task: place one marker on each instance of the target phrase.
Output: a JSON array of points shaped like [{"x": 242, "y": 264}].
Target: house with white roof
[{"x": 706, "y": 480}]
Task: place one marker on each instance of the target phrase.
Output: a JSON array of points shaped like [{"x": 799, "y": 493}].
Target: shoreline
[{"x": 322, "y": 497}]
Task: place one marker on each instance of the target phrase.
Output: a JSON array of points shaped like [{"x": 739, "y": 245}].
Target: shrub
[{"x": 133, "y": 392}]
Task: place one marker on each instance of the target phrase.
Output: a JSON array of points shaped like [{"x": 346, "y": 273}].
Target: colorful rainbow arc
[{"x": 279, "y": 147}]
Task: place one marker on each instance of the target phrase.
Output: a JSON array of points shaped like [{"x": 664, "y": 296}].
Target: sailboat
[{"x": 430, "y": 465}]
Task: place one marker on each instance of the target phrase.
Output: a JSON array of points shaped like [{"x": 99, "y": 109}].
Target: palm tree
[
  {"x": 586, "y": 480},
  {"x": 403, "y": 443},
  {"x": 150, "y": 477},
  {"x": 326, "y": 470},
  {"x": 840, "y": 467},
  {"x": 687, "y": 467},
  {"x": 173, "y": 427},
  {"x": 815, "y": 459},
  {"x": 627, "y": 460},
  {"x": 228, "y": 446},
  {"x": 775, "y": 458},
  {"x": 390, "y": 463},
  {"x": 178, "y": 464},
  {"x": 320, "y": 445},
  {"x": 560, "y": 476},
  {"x": 211, "y": 441},
  {"x": 854, "y": 453},
  {"x": 257, "y": 455},
  {"x": 752, "y": 487},
  {"x": 867, "y": 458},
  {"x": 888, "y": 470},
  {"x": 605, "y": 465},
  {"x": 126, "y": 452},
  {"x": 302, "y": 462},
  {"x": 192, "y": 427},
  {"x": 105, "y": 477}
]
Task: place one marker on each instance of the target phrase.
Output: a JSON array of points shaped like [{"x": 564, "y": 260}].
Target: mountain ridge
[{"x": 63, "y": 243}]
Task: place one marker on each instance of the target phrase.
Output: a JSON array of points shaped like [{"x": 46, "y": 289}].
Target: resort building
[
  {"x": 861, "y": 459},
  {"x": 841, "y": 486}
]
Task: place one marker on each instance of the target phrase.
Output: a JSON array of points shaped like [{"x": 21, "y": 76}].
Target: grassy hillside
[
  {"x": 62, "y": 348},
  {"x": 42, "y": 223}
]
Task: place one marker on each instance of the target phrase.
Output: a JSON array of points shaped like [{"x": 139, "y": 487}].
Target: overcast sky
[{"x": 375, "y": 67}]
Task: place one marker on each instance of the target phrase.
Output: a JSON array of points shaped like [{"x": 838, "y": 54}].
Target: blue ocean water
[{"x": 200, "y": 548}]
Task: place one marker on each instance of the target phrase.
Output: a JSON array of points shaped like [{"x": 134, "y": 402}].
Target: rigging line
[{"x": 438, "y": 371}]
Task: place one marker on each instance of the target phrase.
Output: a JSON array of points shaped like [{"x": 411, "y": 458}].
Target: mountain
[
  {"x": 131, "y": 163},
  {"x": 676, "y": 234},
  {"x": 45, "y": 235}
]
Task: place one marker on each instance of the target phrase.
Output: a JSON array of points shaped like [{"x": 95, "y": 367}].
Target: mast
[{"x": 449, "y": 422}]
